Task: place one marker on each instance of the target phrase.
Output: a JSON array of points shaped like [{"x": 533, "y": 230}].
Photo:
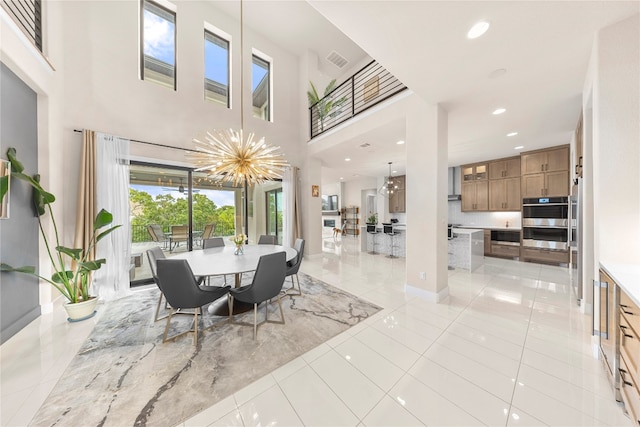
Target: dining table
[{"x": 224, "y": 260}]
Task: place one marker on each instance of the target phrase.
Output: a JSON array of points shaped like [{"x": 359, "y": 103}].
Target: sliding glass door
[
  {"x": 175, "y": 209},
  {"x": 275, "y": 206}
]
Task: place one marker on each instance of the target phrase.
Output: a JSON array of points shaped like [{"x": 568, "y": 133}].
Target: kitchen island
[
  {"x": 385, "y": 244},
  {"x": 466, "y": 248}
]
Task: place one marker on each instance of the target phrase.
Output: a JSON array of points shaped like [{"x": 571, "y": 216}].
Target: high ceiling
[{"x": 532, "y": 61}]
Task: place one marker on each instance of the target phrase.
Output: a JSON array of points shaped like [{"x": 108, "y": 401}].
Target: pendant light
[{"x": 389, "y": 186}]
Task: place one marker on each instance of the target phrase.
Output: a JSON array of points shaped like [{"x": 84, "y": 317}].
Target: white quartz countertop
[
  {"x": 627, "y": 276},
  {"x": 492, "y": 227},
  {"x": 467, "y": 230}
]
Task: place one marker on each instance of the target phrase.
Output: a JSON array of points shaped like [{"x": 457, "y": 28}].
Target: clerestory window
[{"x": 158, "y": 40}]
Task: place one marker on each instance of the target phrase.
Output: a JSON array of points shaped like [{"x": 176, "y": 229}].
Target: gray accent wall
[{"x": 19, "y": 235}]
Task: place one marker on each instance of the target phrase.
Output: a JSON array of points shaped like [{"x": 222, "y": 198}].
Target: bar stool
[
  {"x": 388, "y": 230},
  {"x": 371, "y": 229}
]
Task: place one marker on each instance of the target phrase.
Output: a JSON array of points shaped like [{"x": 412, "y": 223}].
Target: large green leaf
[
  {"x": 93, "y": 265},
  {"x": 62, "y": 276},
  {"x": 108, "y": 231},
  {"x": 102, "y": 219},
  {"x": 74, "y": 253},
  {"x": 26, "y": 269},
  {"x": 16, "y": 166},
  {"x": 4, "y": 186}
]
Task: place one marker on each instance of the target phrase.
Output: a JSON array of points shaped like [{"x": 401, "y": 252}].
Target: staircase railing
[{"x": 365, "y": 89}]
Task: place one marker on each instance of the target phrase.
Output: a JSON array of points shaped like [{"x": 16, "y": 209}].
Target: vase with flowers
[{"x": 238, "y": 240}]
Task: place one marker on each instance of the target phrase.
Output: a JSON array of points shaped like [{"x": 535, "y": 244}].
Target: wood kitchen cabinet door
[
  {"x": 533, "y": 185},
  {"x": 475, "y": 196},
  {"x": 504, "y": 195},
  {"x": 557, "y": 183},
  {"x": 533, "y": 162},
  {"x": 558, "y": 160},
  {"x": 507, "y": 168}
]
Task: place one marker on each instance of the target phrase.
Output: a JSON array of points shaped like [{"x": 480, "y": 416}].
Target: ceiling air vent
[
  {"x": 336, "y": 59},
  {"x": 365, "y": 145}
]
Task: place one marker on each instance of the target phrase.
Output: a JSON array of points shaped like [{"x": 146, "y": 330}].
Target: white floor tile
[
  {"x": 517, "y": 417},
  {"x": 269, "y": 408},
  {"x": 214, "y": 413},
  {"x": 401, "y": 356},
  {"x": 314, "y": 401},
  {"x": 358, "y": 392},
  {"x": 390, "y": 413},
  {"x": 428, "y": 406}
]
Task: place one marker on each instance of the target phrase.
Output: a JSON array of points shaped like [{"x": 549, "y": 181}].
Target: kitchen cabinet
[
  {"x": 544, "y": 255},
  {"x": 545, "y": 173},
  {"x": 474, "y": 172},
  {"x": 545, "y": 184},
  {"x": 619, "y": 331},
  {"x": 550, "y": 160},
  {"x": 505, "y": 168},
  {"x": 397, "y": 199},
  {"x": 475, "y": 196},
  {"x": 579, "y": 148},
  {"x": 504, "y": 194},
  {"x": 629, "y": 330}
]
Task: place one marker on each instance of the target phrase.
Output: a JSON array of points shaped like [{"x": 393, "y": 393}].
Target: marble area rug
[{"x": 125, "y": 376}]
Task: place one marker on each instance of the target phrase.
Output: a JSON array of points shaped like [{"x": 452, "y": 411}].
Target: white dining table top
[{"x": 222, "y": 260}]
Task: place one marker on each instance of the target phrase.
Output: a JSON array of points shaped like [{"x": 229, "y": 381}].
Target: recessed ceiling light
[
  {"x": 519, "y": 147},
  {"x": 400, "y": 142},
  {"x": 394, "y": 171},
  {"x": 499, "y": 111},
  {"x": 497, "y": 73},
  {"x": 341, "y": 177},
  {"x": 512, "y": 134},
  {"x": 478, "y": 29},
  {"x": 347, "y": 159}
]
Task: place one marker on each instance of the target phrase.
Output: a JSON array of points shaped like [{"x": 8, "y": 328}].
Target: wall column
[{"x": 426, "y": 198}]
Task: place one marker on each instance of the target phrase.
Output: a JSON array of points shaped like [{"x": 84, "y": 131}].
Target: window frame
[
  {"x": 217, "y": 33},
  {"x": 256, "y": 54},
  {"x": 172, "y": 10}
]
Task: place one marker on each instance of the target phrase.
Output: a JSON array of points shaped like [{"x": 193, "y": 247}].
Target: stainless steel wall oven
[{"x": 545, "y": 223}]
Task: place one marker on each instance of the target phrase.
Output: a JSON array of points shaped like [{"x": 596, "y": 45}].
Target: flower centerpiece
[{"x": 238, "y": 240}]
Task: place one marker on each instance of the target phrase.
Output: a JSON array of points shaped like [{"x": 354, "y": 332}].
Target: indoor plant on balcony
[
  {"x": 72, "y": 267},
  {"x": 325, "y": 107}
]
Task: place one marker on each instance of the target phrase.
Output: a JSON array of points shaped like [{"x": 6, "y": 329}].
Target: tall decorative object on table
[
  {"x": 239, "y": 242},
  {"x": 72, "y": 267}
]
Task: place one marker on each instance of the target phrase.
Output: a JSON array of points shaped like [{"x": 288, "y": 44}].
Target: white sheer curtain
[
  {"x": 291, "y": 221},
  {"x": 112, "y": 193}
]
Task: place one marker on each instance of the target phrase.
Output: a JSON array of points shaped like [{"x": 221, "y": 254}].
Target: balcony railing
[
  {"x": 28, "y": 15},
  {"x": 140, "y": 234},
  {"x": 365, "y": 89}
]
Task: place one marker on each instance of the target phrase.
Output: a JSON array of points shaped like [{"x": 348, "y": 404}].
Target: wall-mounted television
[{"x": 330, "y": 203}]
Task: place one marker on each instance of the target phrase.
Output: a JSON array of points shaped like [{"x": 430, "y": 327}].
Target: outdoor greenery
[{"x": 166, "y": 210}]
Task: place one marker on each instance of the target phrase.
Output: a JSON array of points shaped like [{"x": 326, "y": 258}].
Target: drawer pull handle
[
  {"x": 624, "y": 381},
  {"x": 622, "y": 307},
  {"x": 623, "y": 329}
]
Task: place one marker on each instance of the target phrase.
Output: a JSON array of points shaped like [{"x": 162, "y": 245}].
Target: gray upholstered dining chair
[
  {"x": 294, "y": 265},
  {"x": 267, "y": 239},
  {"x": 182, "y": 291},
  {"x": 154, "y": 254},
  {"x": 214, "y": 242},
  {"x": 266, "y": 284}
]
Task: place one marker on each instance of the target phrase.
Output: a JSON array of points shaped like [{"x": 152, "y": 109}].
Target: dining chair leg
[
  {"x": 281, "y": 312},
  {"x": 255, "y": 320},
  {"x": 195, "y": 326},
  {"x": 230, "y": 303},
  {"x": 166, "y": 328}
]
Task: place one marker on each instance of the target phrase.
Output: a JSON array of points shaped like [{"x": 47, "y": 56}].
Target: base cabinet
[{"x": 544, "y": 255}]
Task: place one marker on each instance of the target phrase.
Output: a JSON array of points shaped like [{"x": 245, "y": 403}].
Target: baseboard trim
[{"x": 427, "y": 295}]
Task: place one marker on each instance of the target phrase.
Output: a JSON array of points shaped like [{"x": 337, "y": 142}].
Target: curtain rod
[{"x": 149, "y": 143}]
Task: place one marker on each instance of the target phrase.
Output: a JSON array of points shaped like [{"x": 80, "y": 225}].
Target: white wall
[{"x": 616, "y": 142}]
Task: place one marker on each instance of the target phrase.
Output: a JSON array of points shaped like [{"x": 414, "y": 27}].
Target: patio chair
[
  {"x": 157, "y": 235},
  {"x": 179, "y": 233}
]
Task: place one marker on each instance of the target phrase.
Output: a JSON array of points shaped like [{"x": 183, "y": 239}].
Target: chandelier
[
  {"x": 389, "y": 185},
  {"x": 227, "y": 156}
]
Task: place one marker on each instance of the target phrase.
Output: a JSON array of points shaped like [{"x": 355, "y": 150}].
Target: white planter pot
[{"x": 81, "y": 310}]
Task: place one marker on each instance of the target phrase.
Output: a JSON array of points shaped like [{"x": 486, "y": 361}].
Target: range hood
[{"x": 454, "y": 187}]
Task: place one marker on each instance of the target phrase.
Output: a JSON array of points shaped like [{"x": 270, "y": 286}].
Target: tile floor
[{"x": 510, "y": 348}]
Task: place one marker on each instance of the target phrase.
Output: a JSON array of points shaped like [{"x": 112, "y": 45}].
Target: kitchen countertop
[
  {"x": 627, "y": 276},
  {"x": 491, "y": 227},
  {"x": 466, "y": 230}
]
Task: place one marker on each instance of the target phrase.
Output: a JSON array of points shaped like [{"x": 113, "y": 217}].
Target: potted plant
[
  {"x": 324, "y": 107},
  {"x": 372, "y": 218},
  {"x": 72, "y": 267}
]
